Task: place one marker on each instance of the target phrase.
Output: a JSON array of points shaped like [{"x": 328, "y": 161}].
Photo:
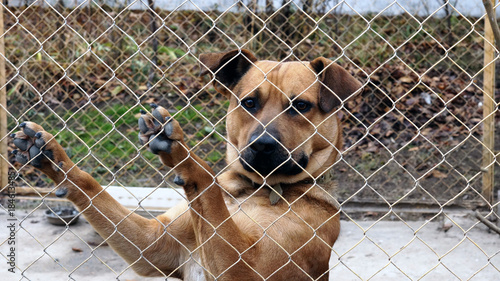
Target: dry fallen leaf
[
  {"x": 76, "y": 249},
  {"x": 438, "y": 174},
  {"x": 150, "y": 100},
  {"x": 406, "y": 79}
]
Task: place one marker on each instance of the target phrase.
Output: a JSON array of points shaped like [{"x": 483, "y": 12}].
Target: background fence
[{"x": 415, "y": 137}]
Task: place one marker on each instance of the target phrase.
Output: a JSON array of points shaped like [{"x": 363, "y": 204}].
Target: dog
[{"x": 270, "y": 215}]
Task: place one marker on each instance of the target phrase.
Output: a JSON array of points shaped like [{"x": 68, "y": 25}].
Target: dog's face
[{"x": 281, "y": 121}]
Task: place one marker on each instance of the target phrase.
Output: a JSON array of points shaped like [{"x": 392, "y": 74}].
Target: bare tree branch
[{"x": 493, "y": 22}]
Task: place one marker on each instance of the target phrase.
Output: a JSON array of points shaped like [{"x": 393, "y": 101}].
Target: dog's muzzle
[{"x": 267, "y": 155}]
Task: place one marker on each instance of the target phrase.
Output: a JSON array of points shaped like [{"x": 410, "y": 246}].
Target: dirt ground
[{"x": 384, "y": 250}]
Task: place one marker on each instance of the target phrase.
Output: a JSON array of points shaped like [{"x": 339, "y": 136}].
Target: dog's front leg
[
  {"x": 221, "y": 241},
  {"x": 133, "y": 237}
]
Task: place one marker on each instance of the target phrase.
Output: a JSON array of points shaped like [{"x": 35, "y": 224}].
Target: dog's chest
[{"x": 193, "y": 270}]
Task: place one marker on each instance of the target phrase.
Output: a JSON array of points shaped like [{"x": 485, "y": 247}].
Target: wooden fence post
[
  {"x": 4, "y": 164},
  {"x": 488, "y": 108}
]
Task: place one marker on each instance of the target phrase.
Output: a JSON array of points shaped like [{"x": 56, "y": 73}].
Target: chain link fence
[{"x": 414, "y": 138}]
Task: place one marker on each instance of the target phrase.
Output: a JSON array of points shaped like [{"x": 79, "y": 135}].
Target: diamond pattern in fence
[{"x": 413, "y": 150}]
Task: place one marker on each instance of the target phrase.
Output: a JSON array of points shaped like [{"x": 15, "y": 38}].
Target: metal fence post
[{"x": 488, "y": 108}]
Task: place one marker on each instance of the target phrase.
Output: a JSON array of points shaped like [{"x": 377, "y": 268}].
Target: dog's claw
[
  {"x": 38, "y": 135},
  {"x": 179, "y": 181},
  {"x": 142, "y": 111},
  {"x": 14, "y": 151},
  {"x": 22, "y": 125},
  {"x": 12, "y": 135},
  {"x": 153, "y": 105}
]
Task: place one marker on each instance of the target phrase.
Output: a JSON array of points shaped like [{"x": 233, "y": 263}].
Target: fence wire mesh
[{"x": 413, "y": 138}]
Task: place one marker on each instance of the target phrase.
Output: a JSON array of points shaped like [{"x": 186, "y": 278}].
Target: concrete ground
[{"x": 385, "y": 250}]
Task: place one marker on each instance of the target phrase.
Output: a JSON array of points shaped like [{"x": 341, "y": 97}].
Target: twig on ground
[{"x": 488, "y": 223}]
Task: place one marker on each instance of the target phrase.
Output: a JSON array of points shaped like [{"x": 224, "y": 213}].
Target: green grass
[
  {"x": 103, "y": 140},
  {"x": 191, "y": 115},
  {"x": 112, "y": 134},
  {"x": 99, "y": 132}
]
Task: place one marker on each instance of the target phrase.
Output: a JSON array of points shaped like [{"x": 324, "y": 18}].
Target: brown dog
[{"x": 270, "y": 216}]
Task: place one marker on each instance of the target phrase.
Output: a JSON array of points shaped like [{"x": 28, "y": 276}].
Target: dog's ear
[
  {"x": 228, "y": 67},
  {"x": 336, "y": 83}
]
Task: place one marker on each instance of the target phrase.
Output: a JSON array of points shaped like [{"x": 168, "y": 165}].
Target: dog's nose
[{"x": 264, "y": 144}]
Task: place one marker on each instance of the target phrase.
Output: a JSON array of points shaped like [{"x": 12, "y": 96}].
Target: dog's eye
[
  {"x": 301, "y": 106},
  {"x": 248, "y": 103}
]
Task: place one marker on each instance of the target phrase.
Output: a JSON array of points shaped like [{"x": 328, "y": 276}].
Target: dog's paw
[
  {"x": 162, "y": 134},
  {"x": 37, "y": 147}
]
